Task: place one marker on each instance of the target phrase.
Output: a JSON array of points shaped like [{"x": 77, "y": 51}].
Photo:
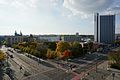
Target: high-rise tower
[{"x": 104, "y": 28}]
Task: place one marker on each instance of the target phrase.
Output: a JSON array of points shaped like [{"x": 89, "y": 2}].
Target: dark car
[{"x": 11, "y": 56}]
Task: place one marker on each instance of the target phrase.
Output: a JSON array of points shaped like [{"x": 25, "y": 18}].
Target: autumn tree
[
  {"x": 48, "y": 55},
  {"x": 2, "y": 55},
  {"x": 51, "y": 54},
  {"x": 61, "y": 47},
  {"x": 66, "y": 54}
]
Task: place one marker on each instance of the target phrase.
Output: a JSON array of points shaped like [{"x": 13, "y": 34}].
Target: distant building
[
  {"x": 2, "y": 38},
  {"x": 104, "y": 28},
  {"x": 117, "y": 36},
  {"x": 71, "y": 38},
  {"x": 14, "y": 39},
  {"x": 30, "y": 38},
  {"x": 48, "y": 38}
]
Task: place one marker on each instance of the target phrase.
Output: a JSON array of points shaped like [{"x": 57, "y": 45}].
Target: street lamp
[
  {"x": 113, "y": 75},
  {"x": 96, "y": 63},
  {"x": 96, "y": 66}
]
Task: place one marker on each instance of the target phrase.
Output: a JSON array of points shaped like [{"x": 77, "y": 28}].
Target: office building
[{"x": 104, "y": 28}]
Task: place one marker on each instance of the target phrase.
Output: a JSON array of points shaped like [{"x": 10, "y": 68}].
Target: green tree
[
  {"x": 85, "y": 48},
  {"x": 52, "y": 45},
  {"x": 117, "y": 42},
  {"x": 90, "y": 46},
  {"x": 76, "y": 49},
  {"x": 41, "y": 50},
  {"x": 4, "y": 42},
  {"x": 114, "y": 57}
]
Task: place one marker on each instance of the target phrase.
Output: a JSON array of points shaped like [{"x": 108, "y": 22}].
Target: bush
[{"x": 116, "y": 66}]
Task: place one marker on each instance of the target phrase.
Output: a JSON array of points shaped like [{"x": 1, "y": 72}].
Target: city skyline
[{"x": 53, "y": 16}]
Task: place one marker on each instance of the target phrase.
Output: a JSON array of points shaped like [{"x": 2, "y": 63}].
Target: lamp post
[
  {"x": 113, "y": 75},
  {"x": 96, "y": 66},
  {"x": 96, "y": 63}
]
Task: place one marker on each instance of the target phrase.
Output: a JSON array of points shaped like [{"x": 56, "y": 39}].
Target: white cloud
[
  {"x": 81, "y": 8},
  {"x": 18, "y": 7},
  {"x": 19, "y": 4},
  {"x": 85, "y": 7}
]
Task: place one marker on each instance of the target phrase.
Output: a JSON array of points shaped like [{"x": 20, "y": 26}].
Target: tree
[
  {"x": 15, "y": 46},
  {"x": 4, "y": 42},
  {"x": 49, "y": 54},
  {"x": 117, "y": 42},
  {"x": 85, "y": 48},
  {"x": 2, "y": 56},
  {"x": 52, "y": 45},
  {"x": 67, "y": 54},
  {"x": 90, "y": 46},
  {"x": 41, "y": 50},
  {"x": 61, "y": 47},
  {"x": 32, "y": 45},
  {"x": 114, "y": 57},
  {"x": 76, "y": 49}
]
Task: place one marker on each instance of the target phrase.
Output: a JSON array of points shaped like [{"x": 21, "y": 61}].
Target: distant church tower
[
  {"x": 16, "y": 33},
  {"x": 20, "y": 33}
]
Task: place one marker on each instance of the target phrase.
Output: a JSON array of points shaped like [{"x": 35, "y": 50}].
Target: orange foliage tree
[{"x": 67, "y": 54}]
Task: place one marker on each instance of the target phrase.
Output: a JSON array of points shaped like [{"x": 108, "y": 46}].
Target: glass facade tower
[{"x": 104, "y": 28}]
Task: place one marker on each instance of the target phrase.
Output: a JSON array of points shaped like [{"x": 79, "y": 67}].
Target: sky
[{"x": 54, "y": 16}]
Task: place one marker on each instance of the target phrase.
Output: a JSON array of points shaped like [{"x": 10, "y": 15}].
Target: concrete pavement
[{"x": 116, "y": 76}]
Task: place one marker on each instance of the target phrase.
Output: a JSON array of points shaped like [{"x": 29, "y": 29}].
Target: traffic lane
[
  {"x": 36, "y": 68},
  {"x": 17, "y": 60},
  {"x": 31, "y": 62},
  {"x": 26, "y": 66},
  {"x": 43, "y": 64},
  {"x": 18, "y": 73}
]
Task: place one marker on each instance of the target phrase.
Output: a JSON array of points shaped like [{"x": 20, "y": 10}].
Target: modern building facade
[
  {"x": 48, "y": 38},
  {"x": 104, "y": 28},
  {"x": 71, "y": 38}
]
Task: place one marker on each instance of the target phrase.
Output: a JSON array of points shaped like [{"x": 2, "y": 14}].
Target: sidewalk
[
  {"x": 117, "y": 75},
  {"x": 102, "y": 73},
  {"x": 6, "y": 77}
]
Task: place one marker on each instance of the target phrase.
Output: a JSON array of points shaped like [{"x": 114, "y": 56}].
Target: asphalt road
[
  {"x": 28, "y": 65},
  {"x": 37, "y": 71}
]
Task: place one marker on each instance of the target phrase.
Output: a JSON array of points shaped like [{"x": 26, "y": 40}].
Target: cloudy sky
[{"x": 54, "y": 16}]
